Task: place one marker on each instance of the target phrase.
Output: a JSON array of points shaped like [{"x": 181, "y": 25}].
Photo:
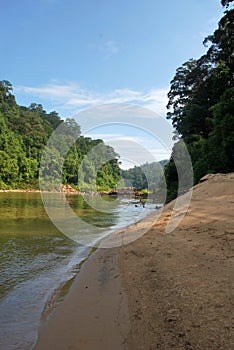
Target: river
[{"x": 36, "y": 259}]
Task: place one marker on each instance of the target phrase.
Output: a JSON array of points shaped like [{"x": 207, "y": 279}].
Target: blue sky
[{"x": 71, "y": 55}]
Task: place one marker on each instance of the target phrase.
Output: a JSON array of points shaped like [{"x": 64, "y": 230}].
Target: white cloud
[
  {"x": 134, "y": 150},
  {"x": 132, "y": 121},
  {"x": 71, "y": 97}
]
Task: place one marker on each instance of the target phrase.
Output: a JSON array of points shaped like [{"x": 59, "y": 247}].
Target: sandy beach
[{"x": 162, "y": 291}]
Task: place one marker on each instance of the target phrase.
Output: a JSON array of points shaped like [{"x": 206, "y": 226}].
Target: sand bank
[
  {"x": 94, "y": 314},
  {"x": 163, "y": 291},
  {"x": 180, "y": 286}
]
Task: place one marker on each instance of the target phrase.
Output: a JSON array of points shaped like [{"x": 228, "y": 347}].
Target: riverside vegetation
[
  {"x": 201, "y": 105},
  {"x": 24, "y": 132}
]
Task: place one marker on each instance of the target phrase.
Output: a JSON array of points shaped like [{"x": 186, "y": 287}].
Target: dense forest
[
  {"x": 147, "y": 176},
  {"x": 201, "y": 105},
  {"x": 24, "y": 132}
]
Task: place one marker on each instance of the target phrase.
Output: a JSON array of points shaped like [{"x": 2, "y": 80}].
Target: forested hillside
[
  {"x": 201, "y": 106},
  {"x": 24, "y": 132},
  {"x": 146, "y": 176}
]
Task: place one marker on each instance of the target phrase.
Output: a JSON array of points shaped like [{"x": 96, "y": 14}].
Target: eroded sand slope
[{"x": 180, "y": 286}]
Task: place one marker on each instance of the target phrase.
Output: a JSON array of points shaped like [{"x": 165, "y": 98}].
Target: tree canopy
[
  {"x": 24, "y": 132},
  {"x": 146, "y": 176},
  {"x": 226, "y": 3},
  {"x": 201, "y": 105}
]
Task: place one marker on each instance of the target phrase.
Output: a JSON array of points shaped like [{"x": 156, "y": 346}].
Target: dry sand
[{"x": 163, "y": 291}]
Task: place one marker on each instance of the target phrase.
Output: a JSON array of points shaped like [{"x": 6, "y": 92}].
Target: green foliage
[
  {"x": 201, "y": 105},
  {"x": 222, "y": 134},
  {"x": 91, "y": 165},
  {"x": 147, "y": 176},
  {"x": 226, "y": 3},
  {"x": 171, "y": 177},
  {"x": 24, "y": 133}
]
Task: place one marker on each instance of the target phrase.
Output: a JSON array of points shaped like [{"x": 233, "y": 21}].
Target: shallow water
[{"x": 36, "y": 258}]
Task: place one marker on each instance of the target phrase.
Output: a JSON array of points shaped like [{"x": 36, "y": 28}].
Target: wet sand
[
  {"x": 94, "y": 314},
  {"x": 163, "y": 291}
]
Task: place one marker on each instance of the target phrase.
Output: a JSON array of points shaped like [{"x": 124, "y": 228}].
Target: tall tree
[{"x": 201, "y": 105}]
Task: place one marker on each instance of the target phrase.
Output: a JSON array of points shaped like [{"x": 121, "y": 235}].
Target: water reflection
[{"x": 35, "y": 257}]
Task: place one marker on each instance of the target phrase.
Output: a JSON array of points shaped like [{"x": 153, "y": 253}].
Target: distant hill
[{"x": 147, "y": 175}]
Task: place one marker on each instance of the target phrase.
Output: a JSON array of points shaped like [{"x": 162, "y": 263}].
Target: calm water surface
[{"x": 36, "y": 258}]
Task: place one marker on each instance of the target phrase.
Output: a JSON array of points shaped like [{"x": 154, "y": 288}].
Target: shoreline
[
  {"x": 96, "y": 300},
  {"x": 58, "y": 294},
  {"x": 70, "y": 190},
  {"x": 161, "y": 291}
]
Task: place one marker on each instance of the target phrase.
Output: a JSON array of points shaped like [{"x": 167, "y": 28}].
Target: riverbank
[
  {"x": 94, "y": 314},
  {"x": 125, "y": 191},
  {"x": 180, "y": 285},
  {"x": 163, "y": 291},
  {"x": 63, "y": 188}
]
